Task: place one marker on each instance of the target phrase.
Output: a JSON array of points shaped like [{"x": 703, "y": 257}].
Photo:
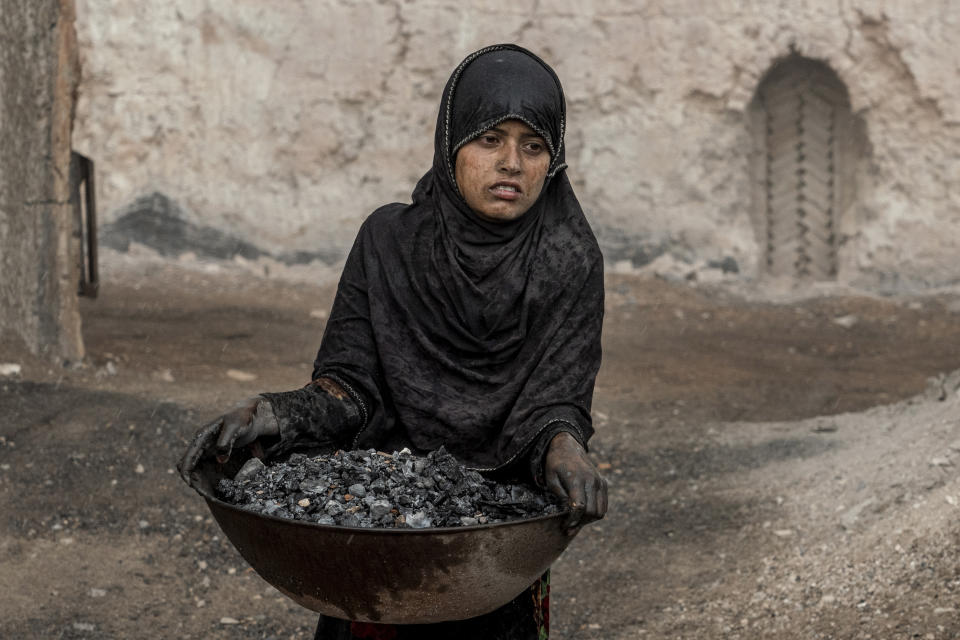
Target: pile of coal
[{"x": 376, "y": 489}]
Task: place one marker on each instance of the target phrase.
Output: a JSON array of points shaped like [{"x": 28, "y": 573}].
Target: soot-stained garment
[
  {"x": 526, "y": 617},
  {"x": 483, "y": 337},
  {"x": 454, "y": 330}
]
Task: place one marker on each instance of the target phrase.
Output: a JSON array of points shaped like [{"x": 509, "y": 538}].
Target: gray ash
[{"x": 376, "y": 489}]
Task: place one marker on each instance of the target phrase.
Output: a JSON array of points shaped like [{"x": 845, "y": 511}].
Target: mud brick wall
[
  {"x": 285, "y": 124},
  {"x": 38, "y": 263}
]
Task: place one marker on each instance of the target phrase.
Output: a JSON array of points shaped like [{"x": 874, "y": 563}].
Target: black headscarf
[{"x": 459, "y": 331}]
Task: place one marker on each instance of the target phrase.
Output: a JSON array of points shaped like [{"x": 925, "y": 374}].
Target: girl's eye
[
  {"x": 534, "y": 147},
  {"x": 489, "y": 138}
]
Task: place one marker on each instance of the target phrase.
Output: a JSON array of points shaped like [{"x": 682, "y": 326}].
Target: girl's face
[{"x": 501, "y": 172}]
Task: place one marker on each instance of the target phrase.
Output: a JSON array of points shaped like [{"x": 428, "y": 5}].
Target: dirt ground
[{"x": 778, "y": 470}]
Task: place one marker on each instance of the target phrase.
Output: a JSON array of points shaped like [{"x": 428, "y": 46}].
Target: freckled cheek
[
  {"x": 475, "y": 175},
  {"x": 536, "y": 175},
  {"x": 476, "y": 169},
  {"x": 468, "y": 175}
]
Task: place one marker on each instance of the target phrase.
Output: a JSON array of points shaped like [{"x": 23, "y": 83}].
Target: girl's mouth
[{"x": 505, "y": 190}]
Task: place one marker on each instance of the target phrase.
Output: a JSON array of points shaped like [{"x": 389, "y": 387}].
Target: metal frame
[{"x": 82, "y": 171}]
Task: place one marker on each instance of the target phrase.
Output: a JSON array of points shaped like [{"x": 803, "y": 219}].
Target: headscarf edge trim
[
  {"x": 530, "y": 441},
  {"x": 510, "y": 116}
]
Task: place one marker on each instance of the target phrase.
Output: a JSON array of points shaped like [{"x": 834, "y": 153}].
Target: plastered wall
[{"x": 286, "y": 123}]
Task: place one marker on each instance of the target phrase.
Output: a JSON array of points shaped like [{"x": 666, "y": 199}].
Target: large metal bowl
[{"x": 397, "y": 576}]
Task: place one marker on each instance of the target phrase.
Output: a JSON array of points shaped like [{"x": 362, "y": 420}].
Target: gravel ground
[{"x": 777, "y": 469}]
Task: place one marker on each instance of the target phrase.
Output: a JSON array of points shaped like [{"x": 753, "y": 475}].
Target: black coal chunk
[{"x": 386, "y": 490}]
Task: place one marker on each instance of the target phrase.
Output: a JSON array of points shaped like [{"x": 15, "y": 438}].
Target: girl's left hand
[{"x": 569, "y": 473}]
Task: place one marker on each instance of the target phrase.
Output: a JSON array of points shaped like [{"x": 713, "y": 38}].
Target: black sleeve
[{"x": 321, "y": 414}]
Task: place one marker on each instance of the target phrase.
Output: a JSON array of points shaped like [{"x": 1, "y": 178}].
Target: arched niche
[{"x": 806, "y": 143}]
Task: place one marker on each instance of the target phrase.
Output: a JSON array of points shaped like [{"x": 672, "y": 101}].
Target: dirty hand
[
  {"x": 570, "y": 474},
  {"x": 237, "y": 428}
]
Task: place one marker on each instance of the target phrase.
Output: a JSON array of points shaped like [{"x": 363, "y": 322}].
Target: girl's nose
[{"x": 510, "y": 158}]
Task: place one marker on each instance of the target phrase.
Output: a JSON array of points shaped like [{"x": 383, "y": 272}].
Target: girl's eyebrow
[{"x": 502, "y": 132}]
